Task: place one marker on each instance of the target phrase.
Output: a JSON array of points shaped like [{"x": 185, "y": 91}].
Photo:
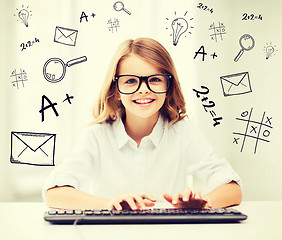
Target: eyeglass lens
[{"x": 130, "y": 84}]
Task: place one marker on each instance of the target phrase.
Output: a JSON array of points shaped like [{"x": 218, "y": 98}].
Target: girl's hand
[
  {"x": 132, "y": 201},
  {"x": 188, "y": 200}
]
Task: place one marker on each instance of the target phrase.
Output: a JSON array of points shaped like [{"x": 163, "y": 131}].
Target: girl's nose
[{"x": 143, "y": 88}]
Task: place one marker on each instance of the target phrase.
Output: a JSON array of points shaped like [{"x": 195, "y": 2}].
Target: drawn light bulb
[
  {"x": 269, "y": 50},
  {"x": 179, "y": 26},
  {"x": 23, "y": 15}
]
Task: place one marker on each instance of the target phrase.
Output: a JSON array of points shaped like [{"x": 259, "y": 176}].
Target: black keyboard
[{"x": 162, "y": 215}]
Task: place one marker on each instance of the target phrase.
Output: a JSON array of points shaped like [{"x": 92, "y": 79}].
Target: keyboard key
[
  {"x": 78, "y": 212},
  {"x": 69, "y": 212}
]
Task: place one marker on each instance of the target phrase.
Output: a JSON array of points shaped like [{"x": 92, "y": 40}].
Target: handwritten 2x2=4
[{"x": 208, "y": 106}]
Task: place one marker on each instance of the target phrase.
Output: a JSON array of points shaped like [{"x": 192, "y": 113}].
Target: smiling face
[{"x": 143, "y": 103}]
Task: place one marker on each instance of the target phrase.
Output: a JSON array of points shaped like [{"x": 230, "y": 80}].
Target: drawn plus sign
[
  {"x": 68, "y": 98},
  {"x": 93, "y": 15},
  {"x": 213, "y": 55}
]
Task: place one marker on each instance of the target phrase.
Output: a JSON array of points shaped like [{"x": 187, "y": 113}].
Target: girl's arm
[
  {"x": 228, "y": 194},
  {"x": 70, "y": 198}
]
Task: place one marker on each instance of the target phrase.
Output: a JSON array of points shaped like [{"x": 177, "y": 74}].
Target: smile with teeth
[{"x": 143, "y": 101}]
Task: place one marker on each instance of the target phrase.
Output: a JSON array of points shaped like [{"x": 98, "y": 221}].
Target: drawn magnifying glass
[
  {"x": 119, "y": 6},
  {"x": 247, "y": 43},
  {"x": 54, "y": 70}
]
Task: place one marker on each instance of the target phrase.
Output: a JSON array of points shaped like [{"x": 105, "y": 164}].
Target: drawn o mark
[
  {"x": 244, "y": 114},
  {"x": 266, "y": 133}
]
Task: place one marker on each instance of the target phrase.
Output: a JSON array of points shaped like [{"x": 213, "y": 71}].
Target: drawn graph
[
  {"x": 217, "y": 31},
  {"x": 19, "y": 78},
  {"x": 258, "y": 131}
]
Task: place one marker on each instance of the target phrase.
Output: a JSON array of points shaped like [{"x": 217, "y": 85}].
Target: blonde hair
[{"x": 108, "y": 108}]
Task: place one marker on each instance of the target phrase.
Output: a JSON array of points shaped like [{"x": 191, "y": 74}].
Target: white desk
[{"x": 24, "y": 221}]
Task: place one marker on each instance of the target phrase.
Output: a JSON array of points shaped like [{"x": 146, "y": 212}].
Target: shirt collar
[{"x": 155, "y": 137}]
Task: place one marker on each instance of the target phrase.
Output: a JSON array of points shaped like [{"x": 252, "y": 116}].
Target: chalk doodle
[
  {"x": 217, "y": 31},
  {"x": 68, "y": 98},
  {"x": 24, "y": 15},
  {"x": 204, "y": 7},
  {"x": 33, "y": 148},
  {"x": 269, "y": 50},
  {"x": 236, "y": 84},
  {"x": 179, "y": 26},
  {"x": 119, "y": 6},
  {"x": 247, "y": 43},
  {"x": 54, "y": 69},
  {"x": 259, "y": 131},
  {"x": 19, "y": 78},
  {"x": 65, "y": 36},
  {"x": 208, "y": 107},
  {"x": 114, "y": 25},
  {"x": 28, "y": 44},
  {"x": 251, "y": 17},
  {"x": 85, "y": 16},
  {"x": 203, "y": 53},
  {"x": 51, "y": 105}
]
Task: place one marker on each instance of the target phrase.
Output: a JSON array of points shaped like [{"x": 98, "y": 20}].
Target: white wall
[{"x": 20, "y": 107}]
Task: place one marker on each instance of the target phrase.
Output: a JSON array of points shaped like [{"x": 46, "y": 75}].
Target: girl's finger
[
  {"x": 187, "y": 195},
  {"x": 131, "y": 203},
  {"x": 198, "y": 195},
  {"x": 139, "y": 201},
  {"x": 208, "y": 202},
  {"x": 167, "y": 197},
  {"x": 149, "y": 203},
  {"x": 117, "y": 205},
  {"x": 176, "y": 197},
  {"x": 148, "y": 196}
]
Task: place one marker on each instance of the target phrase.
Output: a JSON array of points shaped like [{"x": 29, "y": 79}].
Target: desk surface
[{"x": 24, "y": 221}]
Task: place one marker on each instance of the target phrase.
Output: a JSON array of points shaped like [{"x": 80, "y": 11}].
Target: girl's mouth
[{"x": 144, "y": 101}]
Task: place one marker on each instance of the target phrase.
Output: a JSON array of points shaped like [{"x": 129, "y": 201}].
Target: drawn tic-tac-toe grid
[
  {"x": 19, "y": 78},
  {"x": 217, "y": 31},
  {"x": 259, "y": 131}
]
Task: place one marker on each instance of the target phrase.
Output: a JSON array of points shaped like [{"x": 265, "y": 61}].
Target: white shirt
[{"x": 107, "y": 163}]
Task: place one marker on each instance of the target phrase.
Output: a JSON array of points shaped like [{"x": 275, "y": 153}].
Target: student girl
[{"x": 141, "y": 146}]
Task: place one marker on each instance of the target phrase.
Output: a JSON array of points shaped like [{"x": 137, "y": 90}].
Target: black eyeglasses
[{"x": 157, "y": 83}]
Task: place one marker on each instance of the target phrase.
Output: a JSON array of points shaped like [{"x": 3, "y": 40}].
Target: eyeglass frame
[{"x": 145, "y": 79}]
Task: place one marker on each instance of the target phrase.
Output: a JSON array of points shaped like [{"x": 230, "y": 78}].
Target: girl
[{"x": 141, "y": 148}]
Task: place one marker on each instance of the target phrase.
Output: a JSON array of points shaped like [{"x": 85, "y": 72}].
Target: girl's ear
[{"x": 117, "y": 94}]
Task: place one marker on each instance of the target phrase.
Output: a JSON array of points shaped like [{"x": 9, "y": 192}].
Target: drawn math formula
[
  {"x": 204, "y": 7},
  {"x": 208, "y": 105},
  {"x": 252, "y": 16},
  {"x": 259, "y": 131},
  {"x": 28, "y": 44}
]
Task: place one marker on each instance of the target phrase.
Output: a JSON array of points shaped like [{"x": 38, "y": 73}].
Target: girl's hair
[{"x": 108, "y": 108}]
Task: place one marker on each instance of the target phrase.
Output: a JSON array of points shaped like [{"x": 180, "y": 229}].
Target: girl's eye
[
  {"x": 155, "y": 79},
  {"x": 131, "y": 81}
]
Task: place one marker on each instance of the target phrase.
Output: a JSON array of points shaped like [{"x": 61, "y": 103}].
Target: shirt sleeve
[
  {"x": 77, "y": 168},
  {"x": 204, "y": 163}
]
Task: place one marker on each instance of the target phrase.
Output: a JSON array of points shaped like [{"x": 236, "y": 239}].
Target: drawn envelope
[
  {"x": 33, "y": 148},
  {"x": 236, "y": 84},
  {"x": 65, "y": 36}
]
